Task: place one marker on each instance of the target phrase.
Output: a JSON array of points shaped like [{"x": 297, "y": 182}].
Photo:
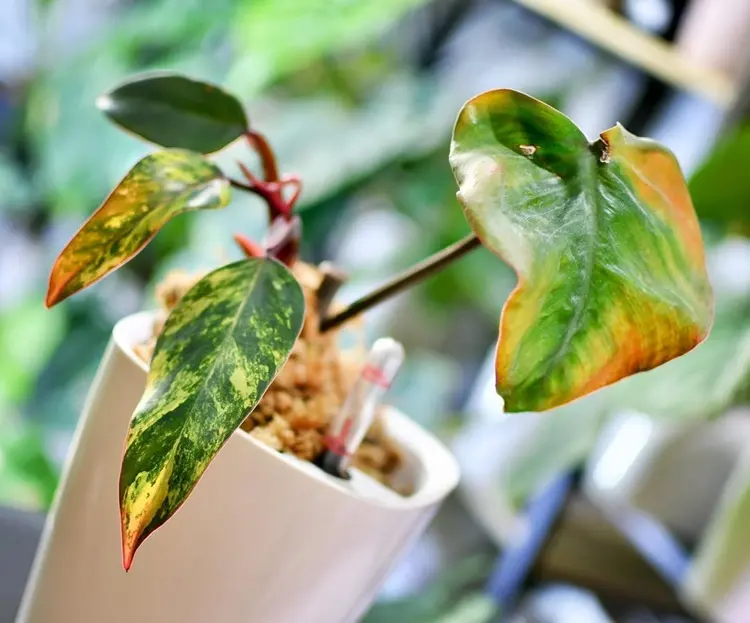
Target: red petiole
[
  {"x": 283, "y": 238},
  {"x": 249, "y": 247}
]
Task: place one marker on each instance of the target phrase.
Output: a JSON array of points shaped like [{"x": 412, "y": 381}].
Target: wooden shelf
[{"x": 607, "y": 30}]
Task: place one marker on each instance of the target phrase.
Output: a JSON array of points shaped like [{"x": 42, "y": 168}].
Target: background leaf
[
  {"x": 610, "y": 262},
  {"x": 175, "y": 111},
  {"x": 442, "y": 602},
  {"x": 720, "y": 562},
  {"x": 27, "y": 475},
  {"x": 220, "y": 349},
  {"x": 277, "y": 37},
  {"x": 721, "y": 187},
  {"x": 158, "y": 188},
  {"x": 16, "y": 192},
  {"x": 29, "y": 335}
]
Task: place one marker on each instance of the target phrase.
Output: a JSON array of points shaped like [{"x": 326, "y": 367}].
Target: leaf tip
[
  {"x": 104, "y": 102},
  {"x": 130, "y": 542},
  {"x": 54, "y": 293},
  {"x": 249, "y": 247},
  {"x": 127, "y": 559}
]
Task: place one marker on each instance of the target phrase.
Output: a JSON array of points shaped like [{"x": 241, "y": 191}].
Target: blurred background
[{"x": 630, "y": 505}]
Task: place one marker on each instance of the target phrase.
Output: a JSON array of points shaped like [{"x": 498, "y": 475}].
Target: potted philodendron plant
[{"x": 611, "y": 281}]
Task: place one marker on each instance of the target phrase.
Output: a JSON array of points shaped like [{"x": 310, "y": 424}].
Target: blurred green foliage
[
  {"x": 276, "y": 37},
  {"x": 721, "y": 186},
  {"x": 453, "y": 597},
  {"x": 27, "y": 477}
]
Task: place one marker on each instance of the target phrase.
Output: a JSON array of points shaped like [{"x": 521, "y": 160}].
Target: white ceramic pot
[{"x": 263, "y": 538}]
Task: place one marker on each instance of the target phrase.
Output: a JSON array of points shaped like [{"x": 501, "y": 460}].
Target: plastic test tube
[{"x": 351, "y": 424}]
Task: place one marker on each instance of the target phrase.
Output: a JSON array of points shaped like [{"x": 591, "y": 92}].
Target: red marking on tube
[
  {"x": 337, "y": 444},
  {"x": 374, "y": 375}
]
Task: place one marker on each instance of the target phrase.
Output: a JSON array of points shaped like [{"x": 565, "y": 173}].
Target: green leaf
[
  {"x": 721, "y": 186},
  {"x": 277, "y": 37},
  {"x": 16, "y": 191},
  {"x": 719, "y": 567},
  {"x": 603, "y": 238},
  {"x": 220, "y": 349},
  {"x": 174, "y": 111},
  {"x": 158, "y": 188},
  {"x": 27, "y": 478},
  {"x": 452, "y": 597},
  {"x": 700, "y": 385},
  {"x": 29, "y": 334}
]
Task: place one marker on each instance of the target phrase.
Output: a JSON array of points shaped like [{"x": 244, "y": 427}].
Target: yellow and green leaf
[
  {"x": 603, "y": 238},
  {"x": 220, "y": 349},
  {"x": 158, "y": 188}
]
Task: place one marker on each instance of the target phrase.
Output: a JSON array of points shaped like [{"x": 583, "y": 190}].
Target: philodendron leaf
[
  {"x": 220, "y": 349},
  {"x": 701, "y": 385},
  {"x": 603, "y": 238},
  {"x": 158, "y": 188},
  {"x": 174, "y": 111}
]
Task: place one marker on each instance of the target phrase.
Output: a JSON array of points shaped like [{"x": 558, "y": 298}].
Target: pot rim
[{"x": 436, "y": 469}]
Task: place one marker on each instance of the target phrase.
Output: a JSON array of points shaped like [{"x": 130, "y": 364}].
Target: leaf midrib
[
  {"x": 164, "y": 108},
  {"x": 230, "y": 332},
  {"x": 590, "y": 182},
  {"x": 121, "y": 235}
]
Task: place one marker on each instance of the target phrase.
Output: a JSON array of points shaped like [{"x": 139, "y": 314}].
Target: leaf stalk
[{"x": 408, "y": 278}]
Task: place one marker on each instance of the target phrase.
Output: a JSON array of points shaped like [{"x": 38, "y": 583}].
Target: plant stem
[
  {"x": 259, "y": 143},
  {"x": 332, "y": 280},
  {"x": 243, "y": 186},
  {"x": 270, "y": 192},
  {"x": 415, "y": 274}
]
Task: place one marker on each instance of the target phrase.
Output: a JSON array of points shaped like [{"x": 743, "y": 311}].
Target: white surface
[
  {"x": 718, "y": 584},
  {"x": 675, "y": 473},
  {"x": 715, "y": 35},
  {"x": 264, "y": 537}
]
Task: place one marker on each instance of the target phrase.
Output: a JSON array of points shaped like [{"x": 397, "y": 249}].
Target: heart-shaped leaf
[
  {"x": 172, "y": 110},
  {"x": 221, "y": 347},
  {"x": 158, "y": 188},
  {"x": 603, "y": 238}
]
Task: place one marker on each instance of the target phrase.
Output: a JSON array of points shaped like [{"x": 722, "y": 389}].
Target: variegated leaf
[
  {"x": 604, "y": 240},
  {"x": 158, "y": 188},
  {"x": 220, "y": 349}
]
